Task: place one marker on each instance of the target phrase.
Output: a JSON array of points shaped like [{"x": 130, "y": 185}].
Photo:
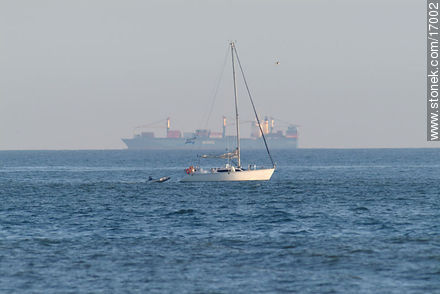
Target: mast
[
  {"x": 236, "y": 106},
  {"x": 224, "y": 127},
  {"x": 168, "y": 125}
]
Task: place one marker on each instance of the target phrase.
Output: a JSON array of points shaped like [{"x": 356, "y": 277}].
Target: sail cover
[{"x": 227, "y": 155}]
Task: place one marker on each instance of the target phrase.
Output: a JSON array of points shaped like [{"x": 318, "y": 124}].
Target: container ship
[{"x": 205, "y": 139}]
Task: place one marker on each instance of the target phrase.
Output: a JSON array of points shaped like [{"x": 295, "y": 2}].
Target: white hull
[{"x": 245, "y": 175}]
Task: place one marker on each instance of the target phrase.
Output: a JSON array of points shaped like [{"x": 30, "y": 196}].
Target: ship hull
[
  {"x": 139, "y": 143},
  {"x": 233, "y": 176}
]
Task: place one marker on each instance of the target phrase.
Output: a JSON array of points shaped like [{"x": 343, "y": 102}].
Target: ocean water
[{"x": 329, "y": 221}]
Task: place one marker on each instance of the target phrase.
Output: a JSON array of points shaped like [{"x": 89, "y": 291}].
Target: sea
[{"x": 329, "y": 221}]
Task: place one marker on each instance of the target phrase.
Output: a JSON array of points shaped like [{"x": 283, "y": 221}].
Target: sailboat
[{"x": 231, "y": 172}]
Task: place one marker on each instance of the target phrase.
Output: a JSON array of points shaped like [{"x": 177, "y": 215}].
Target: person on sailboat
[{"x": 190, "y": 170}]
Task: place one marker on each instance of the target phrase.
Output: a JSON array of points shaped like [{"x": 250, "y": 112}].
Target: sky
[{"x": 83, "y": 74}]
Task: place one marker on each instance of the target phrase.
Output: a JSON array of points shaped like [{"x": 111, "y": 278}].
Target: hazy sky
[{"x": 82, "y": 74}]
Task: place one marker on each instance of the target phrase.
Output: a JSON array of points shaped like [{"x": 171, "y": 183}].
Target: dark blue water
[{"x": 329, "y": 221}]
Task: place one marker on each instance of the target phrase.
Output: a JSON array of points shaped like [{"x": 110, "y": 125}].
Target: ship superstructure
[{"x": 206, "y": 139}]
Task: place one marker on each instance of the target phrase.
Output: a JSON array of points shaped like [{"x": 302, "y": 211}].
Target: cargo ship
[{"x": 205, "y": 139}]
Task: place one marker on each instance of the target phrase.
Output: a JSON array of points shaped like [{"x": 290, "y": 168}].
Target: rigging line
[
  {"x": 285, "y": 122},
  {"x": 220, "y": 78},
  {"x": 150, "y": 124},
  {"x": 217, "y": 88},
  {"x": 253, "y": 106}
]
